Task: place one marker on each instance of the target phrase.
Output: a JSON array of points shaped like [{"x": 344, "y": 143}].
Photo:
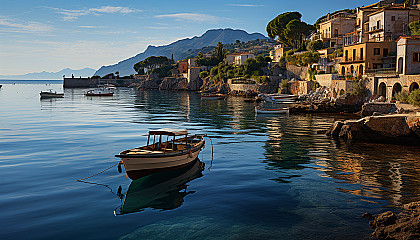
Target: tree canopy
[
  {"x": 414, "y": 28},
  {"x": 151, "y": 63},
  {"x": 288, "y": 28}
]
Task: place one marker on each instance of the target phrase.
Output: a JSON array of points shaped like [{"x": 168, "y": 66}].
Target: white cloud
[
  {"x": 191, "y": 17},
  {"x": 13, "y": 25},
  {"x": 87, "y": 26},
  {"x": 70, "y": 15},
  {"x": 246, "y": 5}
]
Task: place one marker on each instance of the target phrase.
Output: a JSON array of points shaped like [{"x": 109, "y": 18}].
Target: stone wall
[
  {"x": 242, "y": 87},
  {"x": 300, "y": 73},
  {"x": 300, "y": 87},
  {"x": 91, "y": 82}
]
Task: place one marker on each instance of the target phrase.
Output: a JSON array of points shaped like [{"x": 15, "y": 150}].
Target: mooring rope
[
  {"x": 81, "y": 180},
  {"x": 211, "y": 163}
]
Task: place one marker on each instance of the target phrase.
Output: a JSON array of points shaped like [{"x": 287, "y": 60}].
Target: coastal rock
[
  {"x": 388, "y": 126},
  {"x": 335, "y": 129},
  {"x": 369, "y": 109},
  {"x": 172, "y": 83},
  {"x": 404, "y": 226},
  {"x": 398, "y": 128}
]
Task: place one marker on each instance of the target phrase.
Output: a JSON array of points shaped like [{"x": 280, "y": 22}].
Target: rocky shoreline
[{"x": 404, "y": 225}]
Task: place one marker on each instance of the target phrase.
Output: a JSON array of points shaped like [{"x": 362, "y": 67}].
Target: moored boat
[
  {"x": 214, "y": 96},
  {"x": 262, "y": 110},
  {"x": 100, "y": 91},
  {"x": 161, "y": 155},
  {"x": 278, "y": 98},
  {"x": 51, "y": 94}
]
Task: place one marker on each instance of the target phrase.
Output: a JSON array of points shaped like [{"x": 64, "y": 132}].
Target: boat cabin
[{"x": 166, "y": 140}]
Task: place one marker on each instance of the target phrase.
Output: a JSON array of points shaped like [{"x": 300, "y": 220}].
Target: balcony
[
  {"x": 376, "y": 28},
  {"x": 381, "y": 72},
  {"x": 353, "y": 60}
]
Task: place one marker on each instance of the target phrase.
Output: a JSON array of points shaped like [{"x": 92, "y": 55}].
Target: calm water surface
[{"x": 272, "y": 177}]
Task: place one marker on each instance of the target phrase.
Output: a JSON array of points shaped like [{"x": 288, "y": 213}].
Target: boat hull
[
  {"x": 272, "y": 111},
  {"x": 140, "y": 166},
  {"x": 51, "y": 95}
]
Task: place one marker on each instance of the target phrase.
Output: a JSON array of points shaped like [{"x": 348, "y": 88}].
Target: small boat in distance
[
  {"x": 214, "y": 96},
  {"x": 100, "y": 91},
  {"x": 278, "y": 98},
  {"x": 262, "y": 110},
  {"x": 50, "y": 94},
  {"x": 161, "y": 155}
]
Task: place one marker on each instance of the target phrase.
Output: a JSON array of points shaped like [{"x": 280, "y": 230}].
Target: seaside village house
[
  {"x": 378, "y": 48},
  {"x": 372, "y": 46},
  {"x": 333, "y": 27},
  {"x": 278, "y": 52},
  {"x": 238, "y": 58}
]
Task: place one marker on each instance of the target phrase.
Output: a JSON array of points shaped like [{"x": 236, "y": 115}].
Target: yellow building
[{"x": 358, "y": 59}]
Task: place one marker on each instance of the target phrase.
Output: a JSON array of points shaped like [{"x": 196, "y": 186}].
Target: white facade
[
  {"x": 240, "y": 59},
  {"x": 408, "y": 55}
]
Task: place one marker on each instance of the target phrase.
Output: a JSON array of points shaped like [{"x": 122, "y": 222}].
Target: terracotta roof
[
  {"x": 371, "y": 6},
  {"x": 409, "y": 37}
]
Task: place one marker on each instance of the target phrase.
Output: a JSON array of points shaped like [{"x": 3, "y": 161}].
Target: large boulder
[
  {"x": 388, "y": 126},
  {"x": 398, "y": 128}
]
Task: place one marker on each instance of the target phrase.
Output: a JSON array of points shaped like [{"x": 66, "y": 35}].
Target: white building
[{"x": 240, "y": 59}]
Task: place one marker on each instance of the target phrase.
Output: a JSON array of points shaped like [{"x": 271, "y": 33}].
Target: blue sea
[{"x": 270, "y": 177}]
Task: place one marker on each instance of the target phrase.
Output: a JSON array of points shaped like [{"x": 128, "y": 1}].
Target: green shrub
[
  {"x": 359, "y": 87},
  {"x": 204, "y": 74},
  {"x": 414, "y": 98},
  {"x": 402, "y": 97},
  {"x": 303, "y": 59}
]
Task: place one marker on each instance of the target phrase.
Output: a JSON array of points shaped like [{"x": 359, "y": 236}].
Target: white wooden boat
[
  {"x": 213, "y": 96},
  {"x": 278, "y": 98},
  {"x": 270, "y": 110},
  {"x": 100, "y": 91},
  {"x": 50, "y": 94},
  {"x": 160, "y": 154},
  {"x": 163, "y": 190}
]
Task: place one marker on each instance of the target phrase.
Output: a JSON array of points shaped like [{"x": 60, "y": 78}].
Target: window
[
  {"x": 361, "y": 54},
  {"x": 393, "y": 18},
  {"x": 376, "y": 51},
  {"x": 385, "y": 52},
  {"x": 416, "y": 57},
  {"x": 347, "y": 55},
  {"x": 354, "y": 54}
]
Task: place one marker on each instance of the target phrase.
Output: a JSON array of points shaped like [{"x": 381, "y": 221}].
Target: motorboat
[
  {"x": 213, "y": 96},
  {"x": 164, "y": 190},
  {"x": 262, "y": 110},
  {"x": 278, "y": 98},
  {"x": 160, "y": 154},
  {"x": 51, "y": 94},
  {"x": 100, "y": 91}
]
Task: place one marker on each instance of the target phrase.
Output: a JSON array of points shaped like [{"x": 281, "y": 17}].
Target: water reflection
[
  {"x": 161, "y": 190},
  {"x": 378, "y": 171}
]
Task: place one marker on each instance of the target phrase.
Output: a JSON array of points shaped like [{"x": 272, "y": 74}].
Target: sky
[{"x": 50, "y": 35}]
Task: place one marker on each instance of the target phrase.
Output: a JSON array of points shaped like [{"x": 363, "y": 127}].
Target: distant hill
[
  {"x": 85, "y": 72},
  {"x": 181, "y": 48}
]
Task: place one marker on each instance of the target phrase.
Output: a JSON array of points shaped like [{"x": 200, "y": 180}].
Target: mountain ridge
[
  {"x": 44, "y": 75},
  {"x": 178, "y": 48}
]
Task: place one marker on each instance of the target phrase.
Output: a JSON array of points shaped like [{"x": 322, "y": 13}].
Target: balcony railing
[
  {"x": 376, "y": 28},
  {"x": 381, "y": 72},
  {"x": 353, "y": 59}
]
